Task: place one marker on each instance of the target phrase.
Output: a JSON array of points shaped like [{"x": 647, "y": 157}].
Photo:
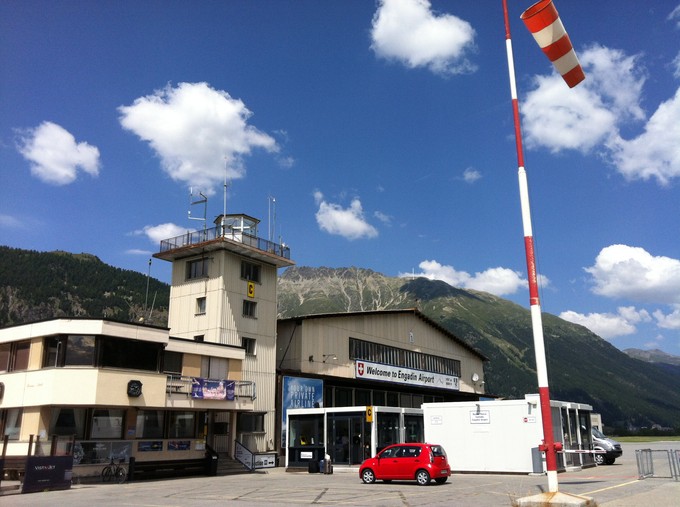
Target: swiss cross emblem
[{"x": 360, "y": 369}]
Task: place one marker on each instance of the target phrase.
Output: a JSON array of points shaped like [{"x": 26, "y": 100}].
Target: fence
[{"x": 658, "y": 463}]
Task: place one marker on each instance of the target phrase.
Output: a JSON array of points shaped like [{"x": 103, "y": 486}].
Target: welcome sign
[{"x": 365, "y": 370}]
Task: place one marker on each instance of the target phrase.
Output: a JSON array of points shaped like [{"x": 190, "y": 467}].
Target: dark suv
[{"x": 412, "y": 461}]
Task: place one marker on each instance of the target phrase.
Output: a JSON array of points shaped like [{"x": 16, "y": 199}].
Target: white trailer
[{"x": 504, "y": 435}]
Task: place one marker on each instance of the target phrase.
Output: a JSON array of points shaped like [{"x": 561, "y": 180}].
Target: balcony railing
[
  {"x": 196, "y": 237},
  {"x": 177, "y": 384}
]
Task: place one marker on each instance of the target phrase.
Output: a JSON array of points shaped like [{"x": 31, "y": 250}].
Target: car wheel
[
  {"x": 422, "y": 477},
  {"x": 440, "y": 480},
  {"x": 599, "y": 459},
  {"x": 368, "y": 476}
]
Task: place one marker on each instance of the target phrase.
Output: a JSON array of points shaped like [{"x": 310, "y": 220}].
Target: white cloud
[
  {"x": 590, "y": 117},
  {"x": 409, "y": 32},
  {"x": 158, "y": 233},
  {"x": 584, "y": 117},
  {"x": 470, "y": 175},
  {"x": 676, "y": 65},
  {"x": 195, "y": 130},
  {"x": 137, "y": 251},
  {"x": 384, "y": 218},
  {"x": 498, "y": 281},
  {"x": 675, "y": 16},
  {"x": 9, "y": 222},
  {"x": 668, "y": 321},
  {"x": 656, "y": 152},
  {"x": 608, "y": 325},
  {"x": 346, "y": 222},
  {"x": 622, "y": 271},
  {"x": 55, "y": 155}
]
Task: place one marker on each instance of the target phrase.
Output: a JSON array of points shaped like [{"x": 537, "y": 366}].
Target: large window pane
[
  {"x": 67, "y": 422},
  {"x": 150, "y": 424},
  {"x": 181, "y": 425},
  {"x": 130, "y": 354},
  {"x": 5, "y": 349},
  {"x": 21, "y": 353},
  {"x": 13, "y": 423},
  {"x": 107, "y": 423},
  {"x": 79, "y": 351}
]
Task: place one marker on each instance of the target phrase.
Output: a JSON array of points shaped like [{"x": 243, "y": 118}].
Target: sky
[{"x": 375, "y": 134}]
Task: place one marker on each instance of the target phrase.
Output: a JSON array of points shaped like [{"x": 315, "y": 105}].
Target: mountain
[
  {"x": 582, "y": 367},
  {"x": 43, "y": 285},
  {"x": 668, "y": 362},
  {"x": 627, "y": 391}
]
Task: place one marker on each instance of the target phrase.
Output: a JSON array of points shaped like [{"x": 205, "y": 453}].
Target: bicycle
[{"x": 114, "y": 472}]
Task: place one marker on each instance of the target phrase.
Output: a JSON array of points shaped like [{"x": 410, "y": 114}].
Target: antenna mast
[{"x": 203, "y": 200}]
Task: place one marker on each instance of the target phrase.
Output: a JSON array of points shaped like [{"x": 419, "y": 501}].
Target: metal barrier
[{"x": 658, "y": 463}]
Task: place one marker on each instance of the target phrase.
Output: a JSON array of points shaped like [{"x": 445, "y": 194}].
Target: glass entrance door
[{"x": 348, "y": 438}]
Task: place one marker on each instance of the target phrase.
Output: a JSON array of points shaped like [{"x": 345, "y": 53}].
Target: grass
[{"x": 672, "y": 438}]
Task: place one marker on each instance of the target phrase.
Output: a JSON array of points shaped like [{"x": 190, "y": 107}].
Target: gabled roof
[{"x": 413, "y": 311}]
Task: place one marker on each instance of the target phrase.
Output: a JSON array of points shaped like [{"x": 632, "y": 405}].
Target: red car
[{"x": 412, "y": 462}]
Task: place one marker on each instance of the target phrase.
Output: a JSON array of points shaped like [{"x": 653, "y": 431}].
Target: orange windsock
[{"x": 545, "y": 25}]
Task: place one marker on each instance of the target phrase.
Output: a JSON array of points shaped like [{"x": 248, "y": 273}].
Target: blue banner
[{"x": 299, "y": 392}]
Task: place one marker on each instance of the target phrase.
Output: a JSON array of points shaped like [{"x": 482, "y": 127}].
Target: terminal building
[{"x": 337, "y": 366}]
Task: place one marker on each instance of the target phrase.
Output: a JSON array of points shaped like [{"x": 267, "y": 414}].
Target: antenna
[
  {"x": 203, "y": 200},
  {"x": 224, "y": 207},
  {"x": 146, "y": 298},
  {"x": 272, "y": 218}
]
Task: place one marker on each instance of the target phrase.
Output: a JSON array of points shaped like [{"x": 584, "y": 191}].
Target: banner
[{"x": 207, "y": 389}]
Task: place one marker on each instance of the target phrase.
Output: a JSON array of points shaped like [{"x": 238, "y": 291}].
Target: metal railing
[
  {"x": 177, "y": 384},
  {"x": 658, "y": 463},
  {"x": 196, "y": 237}
]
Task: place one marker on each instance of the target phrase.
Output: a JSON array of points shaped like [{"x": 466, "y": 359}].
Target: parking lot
[{"x": 611, "y": 486}]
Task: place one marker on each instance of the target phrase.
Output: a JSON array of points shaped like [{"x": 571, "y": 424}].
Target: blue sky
[{"x": 375, "y": 134}]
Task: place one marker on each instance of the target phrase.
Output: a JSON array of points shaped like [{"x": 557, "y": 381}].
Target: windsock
[{"x": 545, "y": 25}]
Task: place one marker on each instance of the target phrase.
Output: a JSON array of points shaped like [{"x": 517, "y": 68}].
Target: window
[
  {"x": 20, "y": 353},
  {"x": 150, "y": 424},
  {"x": 68, "y": 421},
  {"x": 249, "y": 345},
  {"x": 5, "y": 349},
  {"x": 200, "y": 306},
  {"x": 199, "y": 338},
  {"x": 130, "y": 354},
  {"x": 197, "y": 268},
  {"x": 250, "y": 422},
  {"x": 249, "y": 309},
  {"x": 69, "y": 350},
  {"x": 181, "y": 424},
  {"x": 250, "y": 271},
  {"x": 385, "y": 354},
  {"x": 12, "y": 423},
  {"x": 107, "y": 423},
  {"x": 172, "y": 362},
  {"x": 216, "y": 368}
]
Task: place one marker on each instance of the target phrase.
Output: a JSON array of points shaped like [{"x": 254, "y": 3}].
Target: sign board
[
  {"x": 365, "y": 370},
  {"x": 369, "y": 414},
  {"x": 299, "y": 392},
  {"x": 480, "y": 417},
  {"x": 44, "y": 473},
  {"x": 251, "y": 289}
]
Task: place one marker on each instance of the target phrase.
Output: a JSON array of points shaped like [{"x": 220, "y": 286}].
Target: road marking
[{"x": 611, "y": 487}]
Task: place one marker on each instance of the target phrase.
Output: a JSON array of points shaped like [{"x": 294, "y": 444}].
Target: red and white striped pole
[{"x": 549, "y": 446}]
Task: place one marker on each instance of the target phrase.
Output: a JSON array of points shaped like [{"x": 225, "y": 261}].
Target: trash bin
[{"x": 313, "y": 467}]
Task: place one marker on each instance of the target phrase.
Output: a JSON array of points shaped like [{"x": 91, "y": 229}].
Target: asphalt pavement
[{"x": 615, "y": 485}]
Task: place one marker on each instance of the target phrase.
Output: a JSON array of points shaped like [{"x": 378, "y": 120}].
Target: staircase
[{"x": 229, "y": 466}]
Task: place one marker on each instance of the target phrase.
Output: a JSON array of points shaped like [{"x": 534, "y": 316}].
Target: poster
[{"x": 299, "y": 392}]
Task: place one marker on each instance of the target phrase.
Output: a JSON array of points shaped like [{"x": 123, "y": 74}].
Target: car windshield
[{"x": 597, "y": 433}]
